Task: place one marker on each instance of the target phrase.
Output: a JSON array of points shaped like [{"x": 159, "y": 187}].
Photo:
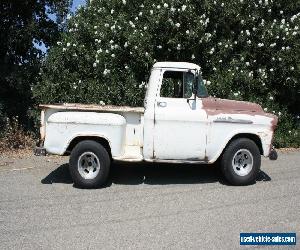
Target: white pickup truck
[{"x": 179, "y": 123}]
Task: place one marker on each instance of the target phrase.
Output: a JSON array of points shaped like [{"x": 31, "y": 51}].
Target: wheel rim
[
  {"x": 88, "y": 165},
  {"x": 242, "y": 162}
]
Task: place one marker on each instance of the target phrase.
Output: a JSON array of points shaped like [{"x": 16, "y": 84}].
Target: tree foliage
[
  {"x": 24, "y": 24},
  {"x": 247, "y": 49}
]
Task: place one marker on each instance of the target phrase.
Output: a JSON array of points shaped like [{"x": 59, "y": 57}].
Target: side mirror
[
  {"x": 195, "y": 89},
  {"x": 195, "y": 86}
]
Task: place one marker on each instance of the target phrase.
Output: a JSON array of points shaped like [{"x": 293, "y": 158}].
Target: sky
[{"x": 76, "y": 4}]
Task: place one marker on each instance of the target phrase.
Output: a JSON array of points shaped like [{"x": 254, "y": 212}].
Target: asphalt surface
[{"x": 144, "y": 206}]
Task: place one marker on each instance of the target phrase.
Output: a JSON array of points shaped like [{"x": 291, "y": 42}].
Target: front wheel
[
  {"x": 240, "y": 162},
  {"x": 89, "y": 164}
]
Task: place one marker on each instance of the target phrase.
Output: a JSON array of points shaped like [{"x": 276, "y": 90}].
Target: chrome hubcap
[
  {"x": 88, "y": 165},
  {"x": 242, "y": 162}
]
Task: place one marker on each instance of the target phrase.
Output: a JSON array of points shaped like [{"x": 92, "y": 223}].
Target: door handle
[{"x": 162, "y": 104}]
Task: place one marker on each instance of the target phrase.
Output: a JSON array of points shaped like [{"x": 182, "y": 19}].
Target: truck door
[{"x": 180, "y": 126}]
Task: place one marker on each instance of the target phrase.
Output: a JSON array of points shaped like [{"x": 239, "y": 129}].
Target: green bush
[{"x": 248, "y": 50}]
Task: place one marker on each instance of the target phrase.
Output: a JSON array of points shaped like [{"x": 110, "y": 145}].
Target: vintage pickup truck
[{"x": 179, "y": 123}]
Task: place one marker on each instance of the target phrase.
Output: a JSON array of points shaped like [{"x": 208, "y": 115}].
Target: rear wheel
[
  {"x": 240, "y": 162},
  {"x": 89, "y": 164}
]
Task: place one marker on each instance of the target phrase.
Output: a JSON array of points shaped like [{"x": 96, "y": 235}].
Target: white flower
[
  {"x": 260, "y": 45},
  {"x": 272, "y": 45},
  {"x": 173, "y": 9},
  {"x": 222, "y": 4},
  {"x": 95, "y": 27},
  {"x": 64, "y": 49},
  {"x": 271, "y": 70},
  {"x": 177, "y": 25},
  {"x": 158, "y": 6},
  {"x": 151, "y": 12},
  {"x": 187, "y": 32},
  {"x": 102, "y": 103},
  {"x": 265, "y": 109},
  {"x": 58, "y": 43},
  {"x": 99, "y": 51},
  {"x": 166, "y": 5},
  {"x": 159, "y": 47},
  {"x": 271, "y": 98},
  {"x": 106, "y": 25},
  {"x": 145, "y": 28},
  {"x": 141, "y": 13},
  {"x": 208, "y": 83},
  {"x": 220, "y": 61},
  {"x": 112, "y": 11},
  {"x": 214, "y": 69},
  {"x": 113, "y": 55},
  {"x": 236, "y": 94},
  {"x": 94, "y": 64},
  {"x": 68, "y": 44},
  {"x": 106, "y": 71},
  {"x": 125, "y": 45},
  {"x": 146, "y": 54},
  {"x": 247, "y": 63},
  {"x": 281, "y": 12},
  {"x": 193, "y": 56},
  {"x": 183, "y": 7},
  {"x": 292, "y": 68},
  {"x": 124, "y": 2}
]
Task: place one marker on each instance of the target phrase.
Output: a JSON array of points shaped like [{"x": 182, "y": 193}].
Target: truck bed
[{"x": 92, "y": 107}]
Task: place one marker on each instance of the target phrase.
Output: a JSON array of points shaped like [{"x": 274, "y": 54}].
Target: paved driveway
[{"x": 144, "y": 206}]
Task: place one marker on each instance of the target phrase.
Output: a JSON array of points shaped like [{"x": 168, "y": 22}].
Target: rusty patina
[{"x": 92, "y": 107}]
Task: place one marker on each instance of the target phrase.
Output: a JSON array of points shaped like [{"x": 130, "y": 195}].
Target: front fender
[{"x": 219, "y": 140}]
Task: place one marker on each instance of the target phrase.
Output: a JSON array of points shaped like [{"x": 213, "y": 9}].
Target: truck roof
[{"x": 180, "y": 65}]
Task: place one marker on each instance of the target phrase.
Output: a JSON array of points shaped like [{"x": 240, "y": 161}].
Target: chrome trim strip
[{"x": 230, "y": 120}]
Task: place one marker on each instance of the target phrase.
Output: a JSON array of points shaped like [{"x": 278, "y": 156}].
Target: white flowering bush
[{"x": 247, "y": 49}]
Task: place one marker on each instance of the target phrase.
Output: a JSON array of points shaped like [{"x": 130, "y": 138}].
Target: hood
[{"x": 217, "y": 106}]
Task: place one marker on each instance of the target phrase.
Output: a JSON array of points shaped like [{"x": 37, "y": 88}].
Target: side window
[{"x": 177, "y": 84}]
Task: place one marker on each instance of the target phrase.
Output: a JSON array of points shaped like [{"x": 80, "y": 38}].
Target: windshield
[{"x": 201, "y": 91}]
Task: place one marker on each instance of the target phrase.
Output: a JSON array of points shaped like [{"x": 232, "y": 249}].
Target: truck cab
[{"x": 179, "y": 123}]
